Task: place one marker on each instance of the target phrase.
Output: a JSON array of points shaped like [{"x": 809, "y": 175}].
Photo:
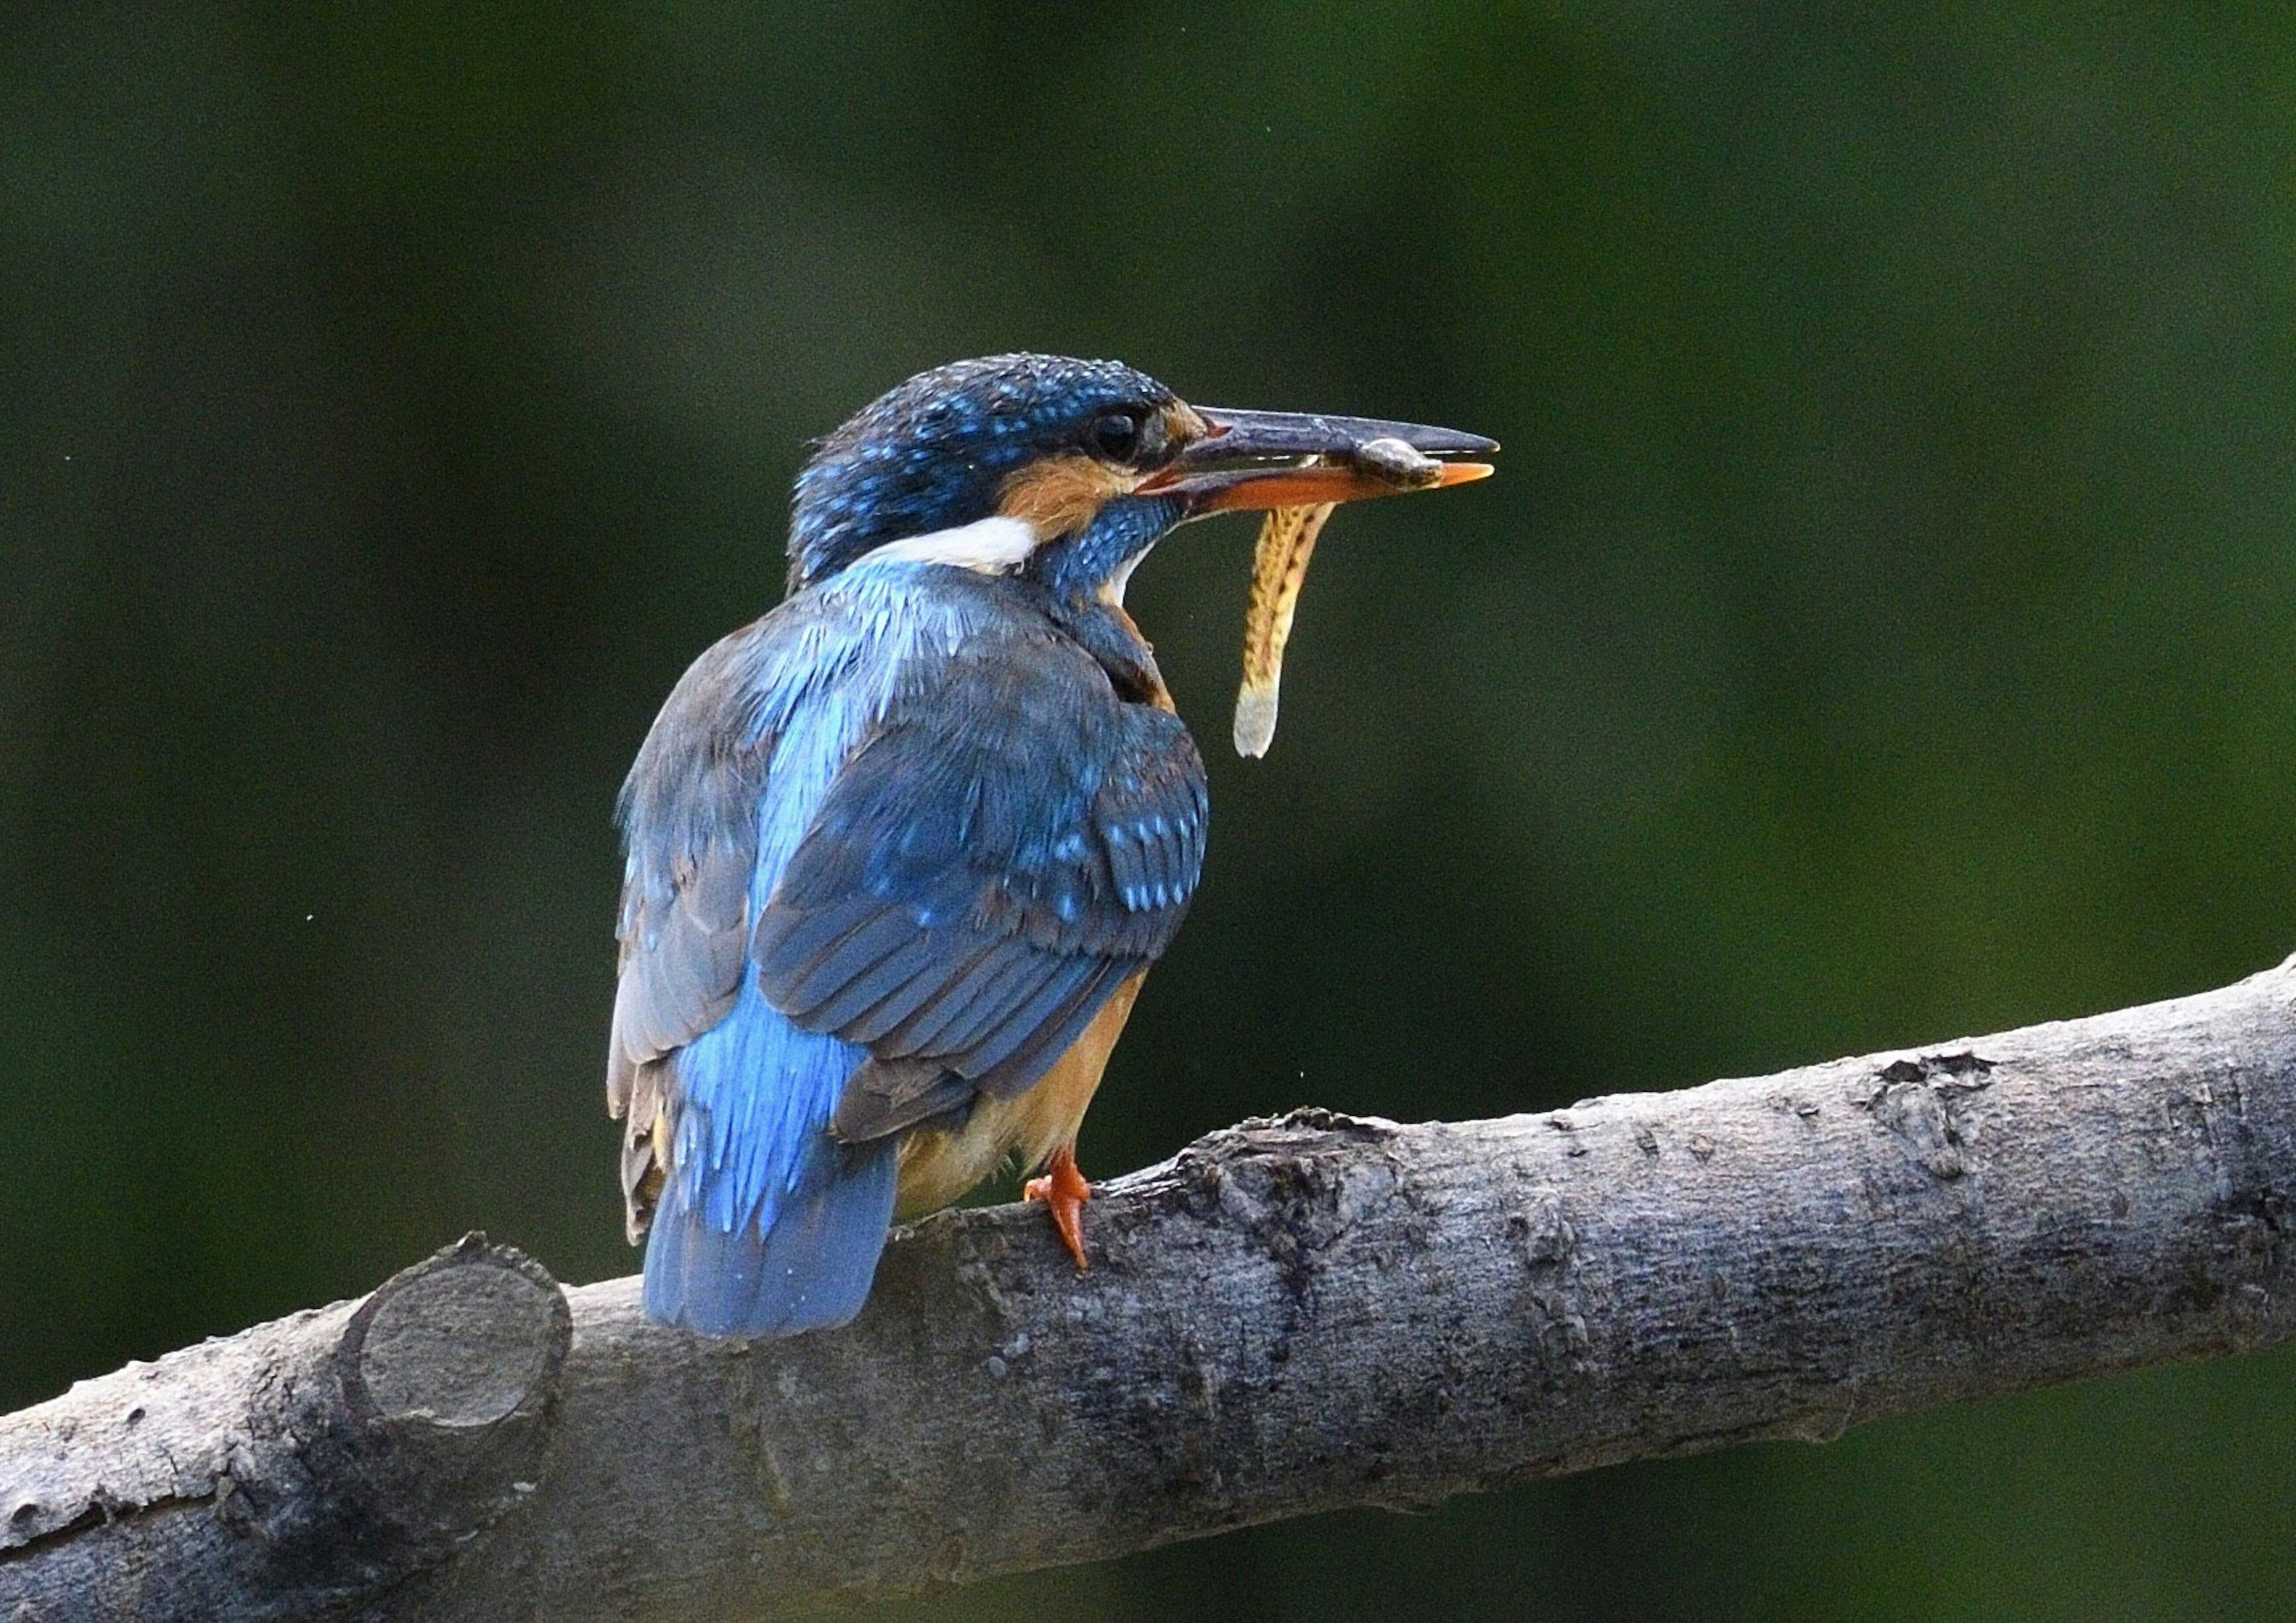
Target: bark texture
[{"x": 1290, "y": 1317}]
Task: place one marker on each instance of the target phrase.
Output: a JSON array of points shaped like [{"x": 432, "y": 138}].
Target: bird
[{"x": 899, "y": 855}]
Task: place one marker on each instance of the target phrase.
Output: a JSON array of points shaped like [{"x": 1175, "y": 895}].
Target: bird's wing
[
  {"x": 689, "y": 815},
  {"x": 1006, "y": 850}
]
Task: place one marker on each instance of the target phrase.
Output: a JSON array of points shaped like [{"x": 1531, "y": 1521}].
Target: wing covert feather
[{"x": 1006, "y": 851}]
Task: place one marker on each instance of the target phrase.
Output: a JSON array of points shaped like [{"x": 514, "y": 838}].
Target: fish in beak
[{"x": 1299, "y": 466}]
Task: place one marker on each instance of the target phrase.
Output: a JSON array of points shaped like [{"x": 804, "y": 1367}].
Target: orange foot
[{"x": 1063, "y": 1192}]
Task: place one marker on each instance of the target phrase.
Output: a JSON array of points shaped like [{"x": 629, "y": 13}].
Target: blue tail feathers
[
  {"x": 766, "y": 1225},
  {"x": 812, "y": 1268}
]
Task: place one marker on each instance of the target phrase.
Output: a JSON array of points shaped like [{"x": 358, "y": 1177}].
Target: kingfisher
[{"x": 899, "y": 854}]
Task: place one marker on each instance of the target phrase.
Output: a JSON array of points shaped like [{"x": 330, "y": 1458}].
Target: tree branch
[{"x": 1290, "y": 1317}]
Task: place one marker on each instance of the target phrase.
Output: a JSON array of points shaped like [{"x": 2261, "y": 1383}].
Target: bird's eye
[{"x": 1117, "y": 435}]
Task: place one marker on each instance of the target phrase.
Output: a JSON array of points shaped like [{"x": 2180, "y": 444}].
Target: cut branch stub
[
  {"x": 328, "y": 1457},
  {"x": 468, "y": 1338},
  {"x": 448, "y": 1372}
]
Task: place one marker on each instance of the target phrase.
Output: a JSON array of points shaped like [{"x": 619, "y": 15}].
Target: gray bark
[{"x": 1290, "y": 1317}]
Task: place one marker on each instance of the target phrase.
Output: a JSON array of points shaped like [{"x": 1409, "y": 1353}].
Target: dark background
[{"x": 1883, "y": 629}]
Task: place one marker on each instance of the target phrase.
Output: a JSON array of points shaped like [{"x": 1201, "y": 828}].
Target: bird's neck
[
  {"x": 1100, "y": 625},
  {"x": 1081, "y": 581}
]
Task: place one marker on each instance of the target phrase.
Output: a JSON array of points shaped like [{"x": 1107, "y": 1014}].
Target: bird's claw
[{"x": 1064, "y": 1191}]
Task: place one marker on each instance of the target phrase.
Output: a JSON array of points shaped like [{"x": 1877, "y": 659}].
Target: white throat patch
[
  {"x": 1113, "y": 592},
  {"x": 991, "y": 547}
]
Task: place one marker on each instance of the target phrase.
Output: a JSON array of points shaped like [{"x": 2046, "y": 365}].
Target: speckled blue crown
[{"x": 934, "y": 452}]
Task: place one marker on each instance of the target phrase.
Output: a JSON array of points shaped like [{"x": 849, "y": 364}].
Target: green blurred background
[{"x": 1883, "y": 629}]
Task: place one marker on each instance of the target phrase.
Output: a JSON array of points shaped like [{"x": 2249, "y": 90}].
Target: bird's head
[{"x": 1066, "y": 471}]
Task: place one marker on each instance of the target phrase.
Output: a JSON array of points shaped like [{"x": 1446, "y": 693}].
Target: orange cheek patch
[{"x": 1059, "y": 495}]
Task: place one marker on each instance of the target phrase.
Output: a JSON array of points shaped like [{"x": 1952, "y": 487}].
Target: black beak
[
  {"x": 1292, "y": 434},
  {"x": 1259, "y": 459}
]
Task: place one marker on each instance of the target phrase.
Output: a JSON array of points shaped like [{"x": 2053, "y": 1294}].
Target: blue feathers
[
  {"x": 990, "y": 865},
  {"x": 742, "y": 1149},
  {"x": 1075, "y": 568},
  {"x": 767, "y": 1226}
]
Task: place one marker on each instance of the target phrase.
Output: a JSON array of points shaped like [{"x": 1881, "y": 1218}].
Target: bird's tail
[
  {"x": 811, "y": 1268},
  {"x": 767, "y": 1224}
]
